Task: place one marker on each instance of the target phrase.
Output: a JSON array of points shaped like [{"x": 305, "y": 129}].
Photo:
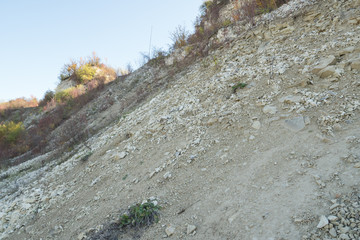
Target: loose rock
[
  {"x": 190, "y": 229},
  {"x": 170, "y": 230},
  {"x": 323, "y": 222}
]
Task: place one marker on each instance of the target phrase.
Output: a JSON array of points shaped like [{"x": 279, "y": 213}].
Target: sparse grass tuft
[{"x": 238, "y": 85}]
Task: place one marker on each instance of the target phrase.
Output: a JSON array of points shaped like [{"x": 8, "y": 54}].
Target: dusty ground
[{"x": 265, "y": 162}]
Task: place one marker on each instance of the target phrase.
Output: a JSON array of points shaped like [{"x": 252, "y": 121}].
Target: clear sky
[{"x": 38, "y": 37}]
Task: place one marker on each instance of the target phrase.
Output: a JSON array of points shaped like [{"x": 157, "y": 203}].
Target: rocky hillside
[{"x": 258, "y": 140}]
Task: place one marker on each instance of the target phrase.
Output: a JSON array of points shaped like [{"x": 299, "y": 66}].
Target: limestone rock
[
  {"x": 290, "y": 99},
  {"x": 346, "y": 51},
  {"x": 123, "y": 155},
  {"x": 256, "y": 125},
  {"x": 270, "y": 109},
  {"x": 212, "y": 121},
  {"x": 170, "y": 230},
  {"x": 295, "y": 124},
  {"x": 323, "y": 222},
  {"x": 355, "y": 64},
  {"x": 190, "y": 229},
  {"x": 167, "y": 175},
  {"x": 287, "y": 30},
  {"x": 325, "y": 62},
  {"x": 327, "y": 72},
  {"x": 332, "y": 232}
]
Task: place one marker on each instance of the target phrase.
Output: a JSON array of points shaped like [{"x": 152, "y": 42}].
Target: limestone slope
[{"x": 261, "y": 162}]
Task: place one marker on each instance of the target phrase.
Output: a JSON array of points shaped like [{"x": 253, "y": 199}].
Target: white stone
[
  {"x": 167, "y": 175},
  {"x": 332, "y": 218},
  {"x": 170, "y": 230},
  {"x": 323, "y": 222},
  {"x": 122, "y": 155},
  {"x": 355, "y": 64},
  {"x": 256, "y": 125},
  {"x": 332, "y": 232},
  {"x": 290, "y": 99},
  {"x": 330, "y": 60},
  {"x": 295, "y": 124},
  {"x": 327, "y": 72},
  {"x": 190, "y": 229},
  {"x": 270, "y": 109}
]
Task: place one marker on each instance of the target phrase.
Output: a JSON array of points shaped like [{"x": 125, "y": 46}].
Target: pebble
[
  {"x": 332, "y": 232},
  {"x": 170, "y": 230},
  {"x": 290, "y": 99},
  {"x": 323, "y": 222},
  {"x": 344, "y": 236},
  {"x": 122, "y": 155},
  {"x": 327, "y": 72},
  {"x": 256, "y": 125},
  {"x": 190, "y": 229},
  {"x": 325, "y": 62},
  {"x": 167, "y": 175},
  {"x": 270, "y": 109}
]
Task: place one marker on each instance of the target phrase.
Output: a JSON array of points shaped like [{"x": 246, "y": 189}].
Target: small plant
[
  {"x": 86, "y": 156},
  {"x": 226, "y": 23},
  {"x": 238, "y": 85},
  {"x": 124, "y": 177},
  {"x": 140, "y": 215},
  {"x": 179, "y": 37}
]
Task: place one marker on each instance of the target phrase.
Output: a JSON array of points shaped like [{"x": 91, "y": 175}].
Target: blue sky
[{"x": 38, "y": 37}]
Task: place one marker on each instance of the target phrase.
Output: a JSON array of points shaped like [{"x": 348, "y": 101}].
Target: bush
[
  {"x": 12, "y": 141},
  {"x": 48, "y": 97},
  {"x": 179, "y": 37},
  {"x": 10, "y": 132},
  {"x": 67, "y": 95},
  {"x": 81, "y": 71},
  {"x": 140, "y": 215},
  {"x": 85, "y": 73}
]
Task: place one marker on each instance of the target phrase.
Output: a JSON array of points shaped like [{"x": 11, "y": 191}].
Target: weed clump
[
  {"x": 86, "y": 156},
  {"x": 238, "y": 85},
  {"x": 140, "y": 215}
]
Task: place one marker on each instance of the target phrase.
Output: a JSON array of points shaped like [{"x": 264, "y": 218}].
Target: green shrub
[
  {"x": 62, "y": 96},
  {"x": 81, "y": 71},
  {"x": 67, "y": 95},
  {"x": 10, "y": 132},
  {"x": 140, "y": 215},
  {"x": 85, "y": 73}
]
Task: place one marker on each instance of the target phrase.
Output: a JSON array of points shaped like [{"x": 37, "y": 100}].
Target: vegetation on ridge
[{"x": 52, "y": 111}]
